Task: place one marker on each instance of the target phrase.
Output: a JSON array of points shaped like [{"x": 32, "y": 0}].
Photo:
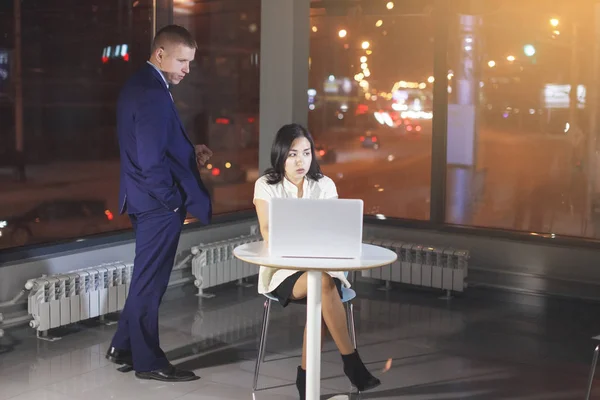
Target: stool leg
[
  {"x": 263, "y": 340},
  {"x": 592, "y": 372},
  {"x": 350, "y": 311}
]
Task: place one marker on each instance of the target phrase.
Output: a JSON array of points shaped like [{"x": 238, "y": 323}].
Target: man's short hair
[{"x": 174, "y": 34}]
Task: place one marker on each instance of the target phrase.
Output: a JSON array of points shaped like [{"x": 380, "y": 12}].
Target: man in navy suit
[{"x": 160, "y": 183}]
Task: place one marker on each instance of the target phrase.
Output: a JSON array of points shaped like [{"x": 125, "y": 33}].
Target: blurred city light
[{"x": 529, "y": 50}]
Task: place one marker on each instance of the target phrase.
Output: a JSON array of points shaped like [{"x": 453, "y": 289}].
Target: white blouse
[{"x": 269, "y": 278}]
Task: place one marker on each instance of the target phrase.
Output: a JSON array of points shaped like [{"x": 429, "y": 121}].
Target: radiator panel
[
  {"x": 418, "y": 265},
  {"x": 214, "y": 263},
  {"x": 79, "y": 295},
  {"x": 64, "y": 299}
]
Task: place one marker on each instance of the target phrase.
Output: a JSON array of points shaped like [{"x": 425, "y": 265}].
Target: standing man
[{"x": 160, "y": 182}]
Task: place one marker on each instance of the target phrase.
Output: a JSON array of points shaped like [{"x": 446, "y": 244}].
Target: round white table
[{"x": 372, "y": 257}]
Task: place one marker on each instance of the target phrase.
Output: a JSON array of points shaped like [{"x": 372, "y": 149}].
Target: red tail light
[
  {"x": 418, "y": 128},
  {"x": 362, "y": 138},
  {"x": 409, "y": 128},
  {"x": 109, "y": 215},
  {"x": 321, "y": 153},
  {"x": 374, "y": 139},
  {"x": 215, "y": 171}
]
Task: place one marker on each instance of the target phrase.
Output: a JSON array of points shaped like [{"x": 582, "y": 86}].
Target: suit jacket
[{"x": 158, "y": 160}]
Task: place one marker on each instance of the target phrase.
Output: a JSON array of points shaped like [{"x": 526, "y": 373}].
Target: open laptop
[{"x": 312, "y": 228}]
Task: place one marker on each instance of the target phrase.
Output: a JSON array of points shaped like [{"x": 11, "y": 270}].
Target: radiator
[
  {"x": 441, "y": 268},
  {"x": 64, "y": 299},
  {"x": 214, "y": 264}
]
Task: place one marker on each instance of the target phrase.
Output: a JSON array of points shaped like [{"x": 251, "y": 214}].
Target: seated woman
[{"x": 295, "y": 172}]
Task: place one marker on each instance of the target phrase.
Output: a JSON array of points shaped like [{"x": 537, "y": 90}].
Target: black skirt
[{"x": 284, "y": 291}]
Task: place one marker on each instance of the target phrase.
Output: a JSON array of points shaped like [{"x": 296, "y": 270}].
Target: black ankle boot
[
  {"x": 358, "y": 374},
  {"x": 301, "y": 383}
]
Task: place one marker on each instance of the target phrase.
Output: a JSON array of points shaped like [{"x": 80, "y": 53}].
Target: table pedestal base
[{"x": 313, "y": 335}]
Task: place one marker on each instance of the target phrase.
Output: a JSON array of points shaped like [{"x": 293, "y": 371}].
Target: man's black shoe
[
  {"x": 121, "y": 357},
  {"x": 168, "y": 374}
]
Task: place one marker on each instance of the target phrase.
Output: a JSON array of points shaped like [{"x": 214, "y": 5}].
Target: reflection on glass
[
  {"x": 370, "y": 103},
  {"x": 522, "y": 123},
  {"x": 219, "y": 102},
  {"x": 74, "y": 61}
]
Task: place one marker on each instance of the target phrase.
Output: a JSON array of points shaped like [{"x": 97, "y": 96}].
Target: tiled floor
[{"x": 471, "y": 347}]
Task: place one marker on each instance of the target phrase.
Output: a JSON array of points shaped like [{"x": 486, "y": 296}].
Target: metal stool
[
  {"x": 347, "y": 296},
  {"x": 593, "y": 369}
]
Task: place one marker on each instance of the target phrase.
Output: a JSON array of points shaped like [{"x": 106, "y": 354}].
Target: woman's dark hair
[{"x": 281, "y": 148}]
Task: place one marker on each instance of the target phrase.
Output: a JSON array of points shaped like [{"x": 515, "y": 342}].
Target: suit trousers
[{"x": 157, "y": 235}]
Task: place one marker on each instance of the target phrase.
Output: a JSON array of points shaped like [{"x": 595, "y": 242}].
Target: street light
[
  {"x": 554, "y": 22},
  {"x": 390, "y": 5},
  {"x": 431, "y": 79},
  {"x": 364, "y": 66},
  {"x": 315, "y": 29},
  {"x": 379, "y": 23},
  {"x": 529, "y": 50},
  {"x": 342, "y": 33},
  {"x": 363, "y": 59},
  {"x": 492, "y": 64},
  {"x": 365, "y": 45},
  {"x": 511, "y": 58}
]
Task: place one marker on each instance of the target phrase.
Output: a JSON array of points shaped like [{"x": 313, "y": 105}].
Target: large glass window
[
  {"x": 219, "y": 102},
  {"x": 523, "y": 116},
  {"x": 59, "y": 168},
  {"x": 370, "y": 101}
]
